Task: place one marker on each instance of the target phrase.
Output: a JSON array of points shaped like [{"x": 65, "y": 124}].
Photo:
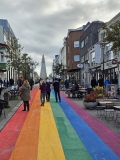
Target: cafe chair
[{"x": 109, "y": 111}]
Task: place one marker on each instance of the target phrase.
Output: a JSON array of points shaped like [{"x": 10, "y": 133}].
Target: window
[
  {"x": 86, "y": 40},
  {"x": 76, "y": 44},
  {"x": 109, "y": 55},
  {"x": 82, "y": 44},
  {"x": 2, "y": 57},
  {"x": 102, "y": 35},
  {"x": 86, "y": 57},
  {"x": 92, "y": 57},
  {"x": 76, "y": 58},
  {"x": 82, "y": 59}
]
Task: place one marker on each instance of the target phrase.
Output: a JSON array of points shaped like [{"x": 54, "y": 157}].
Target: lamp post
[
  {"x": 102, "y": 44},
  {"x": 72, "y": 68}
]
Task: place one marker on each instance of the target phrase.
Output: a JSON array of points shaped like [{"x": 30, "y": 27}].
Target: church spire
[{"x": 43, "y": 73}]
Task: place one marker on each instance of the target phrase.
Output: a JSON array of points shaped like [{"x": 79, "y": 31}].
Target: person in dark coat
[
  {"x": 56, "y": 86},
  {"x": 6, "y": 83},
  {"x": 24, "y": 91},
  {"x": 42, "y": 87},
  {"x": 1, "y": 83},
  {"x": 31, "y": 83},
  {"x": 66, "y": 83},
  {"x": 101, "y": 81},
  {"x": 48, "y": 89},
  {"x": 20, "y": 81},
  {"x": 93, "y": 82},
  {"x": 11, "y": 81}
]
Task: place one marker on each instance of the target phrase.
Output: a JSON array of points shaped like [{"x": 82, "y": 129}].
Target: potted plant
[
  {"x": 89, "y": 100},
  {"x": 99, "y": 90}
]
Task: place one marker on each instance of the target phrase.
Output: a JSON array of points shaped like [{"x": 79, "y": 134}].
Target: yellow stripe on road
[{"x": 49, "y": 145}]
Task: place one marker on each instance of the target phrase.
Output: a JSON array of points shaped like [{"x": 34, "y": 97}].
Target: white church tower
[{"x": 43, "y": 73}]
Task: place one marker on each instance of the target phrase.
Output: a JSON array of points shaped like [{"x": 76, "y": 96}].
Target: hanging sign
[
  {"x": 114, "y": 61},
  {"x": 80, "y": 65}
]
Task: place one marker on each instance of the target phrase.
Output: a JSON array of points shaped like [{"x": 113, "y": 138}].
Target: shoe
[{"x": 23, "y": 110}]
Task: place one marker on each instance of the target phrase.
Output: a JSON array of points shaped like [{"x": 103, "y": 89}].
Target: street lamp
[
  {"x": 102, "y": 44},
  {"x": 72, "y": 68}
]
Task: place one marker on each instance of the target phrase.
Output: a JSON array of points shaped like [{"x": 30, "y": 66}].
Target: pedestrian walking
[
  {"x": 48, "y": 89},
  {"x": 43, "y": 91},
  {"x": 101, "y": 81},
  {"x": 31, "y": 83},
  {"x": 56, "y": 86},
  {"x": 93, "y": 82},
  {"x": 1, "y": 84},
  {"x": 6, "y": 83},
  {"x": 66, "y": 84},
  {"x": 20, "y": 81},
  {"x": 11, "y": 81},
  {"x": 24, "y": 91},
  {"x": 107, "y": 81}
]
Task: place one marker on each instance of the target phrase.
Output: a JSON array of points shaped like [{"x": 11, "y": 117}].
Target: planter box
[{"x": 90, "y": 105}]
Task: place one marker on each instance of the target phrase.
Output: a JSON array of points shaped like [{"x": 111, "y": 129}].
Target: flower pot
[{"x": 90, "y": 105}]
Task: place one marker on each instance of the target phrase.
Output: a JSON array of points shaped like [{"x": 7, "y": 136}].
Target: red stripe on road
[{"x": 10, "y": 133}]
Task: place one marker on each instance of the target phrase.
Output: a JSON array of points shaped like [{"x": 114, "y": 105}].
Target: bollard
[{"x": 6, "y": 97}]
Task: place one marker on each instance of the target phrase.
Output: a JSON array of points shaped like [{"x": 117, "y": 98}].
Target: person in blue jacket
[
  {"x": 107, "y": 81},
  {"x": 66, "y": 84}
]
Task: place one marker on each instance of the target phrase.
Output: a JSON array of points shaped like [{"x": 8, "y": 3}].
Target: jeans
[
  {"x": 42, "y": 97},
  {"x": 48, "y": 96},
  {"x": 57, "y": 95}
]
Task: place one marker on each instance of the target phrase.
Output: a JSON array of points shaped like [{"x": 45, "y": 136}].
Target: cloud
[{"x": 41, "y": 25}]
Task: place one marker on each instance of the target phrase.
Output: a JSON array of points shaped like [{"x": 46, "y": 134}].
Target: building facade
[
  {"x": 87, "y": 40},
  {"x": 8, "y": 46},
  {"x": 72, "y": 51}
]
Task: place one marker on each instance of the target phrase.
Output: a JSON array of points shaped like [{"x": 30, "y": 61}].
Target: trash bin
[
  {"x": 6, "y": 97},
  {"x": 2, "y": 105}
]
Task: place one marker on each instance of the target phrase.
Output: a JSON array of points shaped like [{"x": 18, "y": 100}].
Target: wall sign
[{"x": 80, "y": 65}]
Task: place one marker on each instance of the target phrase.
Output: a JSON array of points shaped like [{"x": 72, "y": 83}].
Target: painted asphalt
[{"x": 57, "y": 131}]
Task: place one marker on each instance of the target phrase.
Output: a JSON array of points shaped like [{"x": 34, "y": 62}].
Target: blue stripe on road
[{"x": 95, "y": 146}]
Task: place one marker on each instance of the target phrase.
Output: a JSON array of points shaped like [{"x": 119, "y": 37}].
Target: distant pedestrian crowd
[{"x": 100, "y": 82}]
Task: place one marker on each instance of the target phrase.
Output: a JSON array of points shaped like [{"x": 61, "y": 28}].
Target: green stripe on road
[{"x": 72, "y": 145}]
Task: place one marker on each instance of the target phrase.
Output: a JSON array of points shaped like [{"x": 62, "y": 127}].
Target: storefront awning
[{"x": 4, "y": 45}]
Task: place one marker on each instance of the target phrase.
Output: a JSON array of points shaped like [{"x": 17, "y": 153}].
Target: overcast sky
[{"x": 41, "y": 25}]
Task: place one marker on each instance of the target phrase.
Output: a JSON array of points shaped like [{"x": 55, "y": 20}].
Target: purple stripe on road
[{"x": 107, "y": 135}]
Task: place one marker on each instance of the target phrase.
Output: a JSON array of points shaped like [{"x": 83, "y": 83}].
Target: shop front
[{"x": 111, "y": 71}]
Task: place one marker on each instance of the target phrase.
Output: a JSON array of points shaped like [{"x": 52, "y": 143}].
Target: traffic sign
[{"x": 80, "y": 65}]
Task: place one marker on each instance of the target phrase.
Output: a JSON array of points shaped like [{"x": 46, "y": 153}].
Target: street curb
[{"x": 9, "y": 116}]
